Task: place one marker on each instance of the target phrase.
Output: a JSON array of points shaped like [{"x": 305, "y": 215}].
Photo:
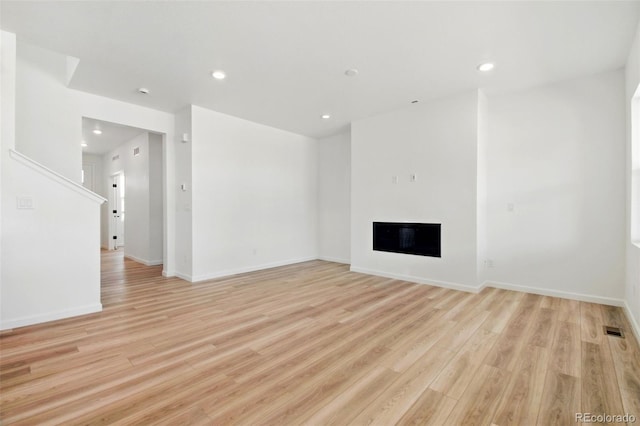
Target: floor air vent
[{"x": 613, "y": 331}]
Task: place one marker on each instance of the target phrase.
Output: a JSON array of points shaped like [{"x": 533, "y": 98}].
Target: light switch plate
[{"x": 24, "y": 203}]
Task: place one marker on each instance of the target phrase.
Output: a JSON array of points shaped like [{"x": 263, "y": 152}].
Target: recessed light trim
[
  {"x": 219, "y": 74},
  {"x": 143, "y": 90},
  {"x": 351, "y": 72},
  {"x": 97, "y": 131},
  {"x": 486, "y": 66},
  {"x": 83, "y": 144},
  {"x": 325, "y": 116}
]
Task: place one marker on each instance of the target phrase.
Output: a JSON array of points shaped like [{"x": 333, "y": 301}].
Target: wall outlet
[
  {"x": 413, "y": 177},
  {"x": 488, "y": 263},
  {"x": 510, "y": 207},
  {"x": 394, "y": 179}
]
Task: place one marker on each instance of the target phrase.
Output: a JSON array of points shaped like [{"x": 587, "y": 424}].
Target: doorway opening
[{"x": 127, "y": 167}]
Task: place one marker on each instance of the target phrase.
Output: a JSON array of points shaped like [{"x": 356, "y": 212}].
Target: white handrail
[{"x": 55, "y": 176}]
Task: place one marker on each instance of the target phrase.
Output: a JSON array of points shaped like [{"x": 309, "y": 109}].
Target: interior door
[{"x": 118, "y": 210}]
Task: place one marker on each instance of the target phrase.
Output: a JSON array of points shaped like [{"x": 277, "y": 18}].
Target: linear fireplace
[{"x": 422, "y": 239}]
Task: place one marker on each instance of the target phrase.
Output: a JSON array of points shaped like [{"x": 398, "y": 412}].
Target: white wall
[
  {"x": 136, "y": 196},
  {"x": 482, "y": 174},
  {"x": 436, "y": 140},
  {"x": 95, "y": 162},
  {"x": 47, "y": 126},
  {"x": 33, "y": 236},
  {"x": 254, "y": 195},
  {"x": 47, "y": 272},
  {"x": 555, "y": 154},
  {"x": 334, "y": 198},
  {"x": 528, "y": 187},
  {"x": 8, "y": 62},
  {"x": 156, "y": 190},
  {"x": 183, "y": 173},
  {"x": 632, "y": 281}
]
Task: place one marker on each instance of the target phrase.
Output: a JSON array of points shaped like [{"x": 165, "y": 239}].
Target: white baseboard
[
  {"x": 555, "y": 293},
  {"x": 334, "y": 259},
  {"x": 168, "y": 273},
  {"x": 229, "y": 272},
  {"x": 182, "y": 276},
  {"x": 506, "y": 286},
  {"x": 50, "y": 316},
  {"x": 445, "y": 284},
  {"x": 632, "y": 320},
  {"x": 144, "y": 261},
  {"x": 417, "y": 280}
]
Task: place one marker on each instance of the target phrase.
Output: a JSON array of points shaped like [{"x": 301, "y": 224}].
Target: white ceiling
[
  {"x": 113, "y": 135},
  {"x": 285, "y": 61}
]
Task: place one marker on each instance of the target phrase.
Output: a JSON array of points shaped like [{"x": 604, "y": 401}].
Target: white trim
[
  {"x": 334, "y": 259},
  {"x": 632, "y": 320},
  {"x": 506, "y": 286},
  {"x": 55, "y": 176},
  {"x": 112, "y": 205},
  {"x": 229, "y": 272},
  {"x": 51, "y": 316},
  {"x": 437, "y": 283},
  {"x": 556, "y": 293},
  {"x": 144, "y": 261},
  {"x": 168, "y": 274},
  {"x": 185, "y": 277}
]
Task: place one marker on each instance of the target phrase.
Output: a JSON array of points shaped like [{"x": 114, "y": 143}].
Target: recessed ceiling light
[
  {"x": 97, "y": 131},
  {"x": 143, "y": 90},
  {"x": 83, "y": 144},
  {"x": 352, "y": 72},
  {"x": 486, "y": 66},
  {"x": 414, "y": 101},
  {"x": 325, "y": 116},
  {"x": 218, "y": 74}
]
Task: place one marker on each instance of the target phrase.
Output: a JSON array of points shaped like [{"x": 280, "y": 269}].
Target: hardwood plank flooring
[{"x": 315, "y": 344}]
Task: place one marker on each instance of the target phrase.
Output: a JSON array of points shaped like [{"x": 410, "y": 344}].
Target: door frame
[
  {"x": 163, "y": 124},
  {"x": 111, "y": 226}
]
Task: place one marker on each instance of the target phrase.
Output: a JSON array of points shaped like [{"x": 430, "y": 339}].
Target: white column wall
[
  {"x": 334, "y": 198},
  {"x": 437, "y": 141}
]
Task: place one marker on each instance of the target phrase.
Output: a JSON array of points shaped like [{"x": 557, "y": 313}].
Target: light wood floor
[{"x": 316, "y": 344}]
